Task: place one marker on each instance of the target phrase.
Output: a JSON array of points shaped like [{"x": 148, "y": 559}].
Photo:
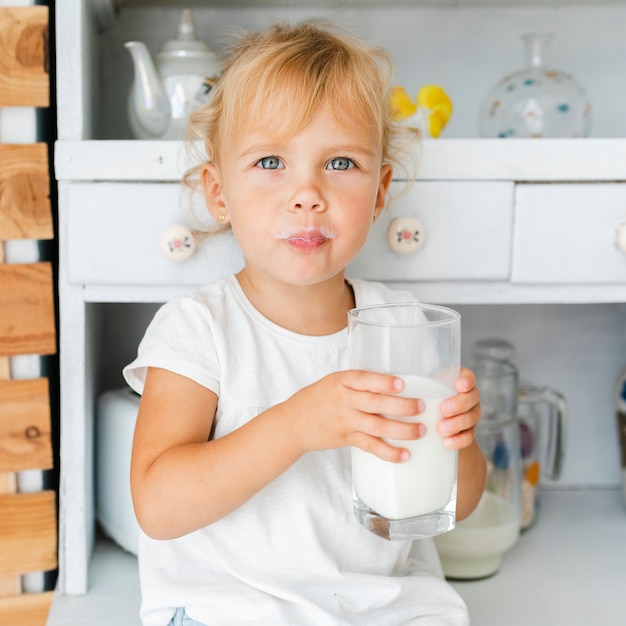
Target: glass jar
[
  {"x": 476, "y": 547},
  {"x": 542, "y": 414},
  {"x": 536, "y": 101}
]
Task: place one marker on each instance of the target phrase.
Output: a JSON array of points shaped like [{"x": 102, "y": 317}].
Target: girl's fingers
[
  {"x": 461, "y": 403},
  {"x": 377, "y": 394},
  {"x": 385, "y": 428},
  {"x": 361, "y": 380},
  {"x": 466, "y": 380},
  {"x": 461, "y": 440},
  {"x": 388, "y": 405},
  {"x": 458, "y": 423},
  {"x": 380, "y": 448}
]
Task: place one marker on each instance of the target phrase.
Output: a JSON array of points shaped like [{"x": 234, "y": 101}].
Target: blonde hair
[{"x": 278, "y": 79}]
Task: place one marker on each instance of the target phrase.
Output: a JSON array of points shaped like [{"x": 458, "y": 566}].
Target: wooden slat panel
[
  {"x": 30, "y": 609},
  {"x": 24, "y": 72},
  {"x": 25, "y": 441},
  {"x": 26, "y": 309},
  {"x": 28, "y": 539},
  {"x": 5, "y": 363},
  {"x": 10, "y": 584},
  {"x": 8, "y": 482},
  {"x": 25, "y": 211}
]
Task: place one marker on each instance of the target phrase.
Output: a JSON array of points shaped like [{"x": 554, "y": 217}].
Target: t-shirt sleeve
[{"x": 179, "y": 339}]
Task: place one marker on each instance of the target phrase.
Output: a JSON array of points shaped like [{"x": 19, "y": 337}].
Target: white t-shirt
[{"x": 293, "y": 554}]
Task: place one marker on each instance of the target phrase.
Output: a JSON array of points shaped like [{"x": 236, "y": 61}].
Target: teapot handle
[{"x": 558, "y": 424}]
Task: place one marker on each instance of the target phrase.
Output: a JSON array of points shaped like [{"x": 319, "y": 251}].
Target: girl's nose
[
  {"x": 308, "y": 198},
  {"x": 315, "y": 206}
]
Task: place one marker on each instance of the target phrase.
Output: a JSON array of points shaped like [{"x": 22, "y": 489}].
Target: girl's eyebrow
[
  {"x": 351, "y": 149},
  {"x": 262, "y": 147}
]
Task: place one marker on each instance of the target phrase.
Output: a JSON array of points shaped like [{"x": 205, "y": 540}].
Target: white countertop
[{"x": 568, "y": 570}]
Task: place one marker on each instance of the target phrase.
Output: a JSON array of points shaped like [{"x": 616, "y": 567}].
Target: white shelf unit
[{"x": 104, "y": 176}]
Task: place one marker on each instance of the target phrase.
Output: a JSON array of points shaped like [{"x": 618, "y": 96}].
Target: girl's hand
[
  {"x": 347, "y": 408},
  {"x": 461, "y": 413}
]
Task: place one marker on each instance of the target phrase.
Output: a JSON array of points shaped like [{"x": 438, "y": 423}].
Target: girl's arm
[{"x": 181, "y": 481}]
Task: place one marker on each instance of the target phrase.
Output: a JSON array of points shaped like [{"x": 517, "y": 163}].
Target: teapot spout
[{"x": 148, "y": 105}]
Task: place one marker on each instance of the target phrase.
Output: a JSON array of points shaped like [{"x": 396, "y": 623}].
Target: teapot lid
[{"x": 185, "y": 43}]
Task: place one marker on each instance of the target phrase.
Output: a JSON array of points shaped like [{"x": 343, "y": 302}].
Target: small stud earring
[{"x": 222, "y": 218}]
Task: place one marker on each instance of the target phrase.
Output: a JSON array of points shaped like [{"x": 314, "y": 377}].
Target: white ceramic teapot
[{"x": 162, "y": 97}]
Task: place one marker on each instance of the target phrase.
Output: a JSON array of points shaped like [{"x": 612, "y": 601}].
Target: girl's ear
[
  {"x": 213, "y": 197},
  {"x": 386, "y": 174}
]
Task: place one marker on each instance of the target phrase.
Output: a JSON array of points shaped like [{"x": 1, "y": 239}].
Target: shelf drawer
[
  {"x": 113, "y": 234},
  {"x": 566, "y": 233},
  {"x": 467, "y": 232}
]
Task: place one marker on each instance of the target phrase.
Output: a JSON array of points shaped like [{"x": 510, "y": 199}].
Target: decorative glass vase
[{"x": 536, "y": 101}]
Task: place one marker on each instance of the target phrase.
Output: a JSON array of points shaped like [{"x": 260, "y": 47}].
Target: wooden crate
[
  {"x": 24, "y": 50},
  {"x": 28, "y": 526}
]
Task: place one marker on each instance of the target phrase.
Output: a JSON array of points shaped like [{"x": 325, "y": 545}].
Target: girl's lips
[
  {"x": 307, "y": 238},
  {"x": 306, "y": 244}
]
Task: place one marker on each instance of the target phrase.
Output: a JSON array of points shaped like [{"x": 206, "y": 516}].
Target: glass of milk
[{"x": 421, "y": 344}]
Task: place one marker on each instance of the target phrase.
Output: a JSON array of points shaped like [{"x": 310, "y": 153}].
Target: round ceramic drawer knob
[
  {"x": 178, "y": 243},
  {"x": 406, "y": 234},
  {"x": 620, "y": 237}
]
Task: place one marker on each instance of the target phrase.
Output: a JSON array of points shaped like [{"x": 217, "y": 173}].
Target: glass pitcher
[
  {"x": 542, "y": 415},
  {"x": 476, "y": 547}
]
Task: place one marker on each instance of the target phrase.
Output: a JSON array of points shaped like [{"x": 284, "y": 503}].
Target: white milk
[
  {"x": 422, "y": 484},
  {"x": 474, "y": 549}
]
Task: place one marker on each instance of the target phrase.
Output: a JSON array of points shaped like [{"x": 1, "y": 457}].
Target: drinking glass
[{"x": 421, "y": 344}]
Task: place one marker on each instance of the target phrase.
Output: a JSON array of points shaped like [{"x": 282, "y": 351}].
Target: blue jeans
[{"x": 180, "y": 619}]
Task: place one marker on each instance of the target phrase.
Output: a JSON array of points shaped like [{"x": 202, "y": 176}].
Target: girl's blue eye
[
  {"x": 270, "y": 163},
  {"x": 340, "y": 163}
]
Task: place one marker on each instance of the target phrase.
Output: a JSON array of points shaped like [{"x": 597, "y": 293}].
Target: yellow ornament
[
  {"x": 402, "y": 106},
  {"x": 437, "y": 106}
]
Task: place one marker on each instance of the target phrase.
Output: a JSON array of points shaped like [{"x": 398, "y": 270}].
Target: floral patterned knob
[
  {"x": 178, "y": 243},
  {"x": 406, "y": 234}
]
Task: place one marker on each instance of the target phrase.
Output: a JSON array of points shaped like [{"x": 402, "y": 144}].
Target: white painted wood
[
  {"x": 468, "y": 228},
  {"x": 481, "y": 292},
  {"x": 565, "y": 234},
  {"x": 440, "y": 159},
  {"x": 75, "y": 518},
  {"x": 114, "y": 229},
  {"x": 119, "y": 160},
  {"x": 113, "y": 237},
  {"x": 77, "y": 69},
  {"x": 76, "y": 471}
]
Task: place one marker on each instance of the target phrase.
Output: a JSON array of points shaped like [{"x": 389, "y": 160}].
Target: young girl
[{"x": 240, "y": 468}]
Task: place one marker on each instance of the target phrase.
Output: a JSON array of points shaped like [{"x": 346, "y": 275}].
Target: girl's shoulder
[{"x": 210, "y": 297}]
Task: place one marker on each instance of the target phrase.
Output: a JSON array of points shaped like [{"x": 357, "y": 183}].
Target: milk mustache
[{"x": 425, "y": 482}]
